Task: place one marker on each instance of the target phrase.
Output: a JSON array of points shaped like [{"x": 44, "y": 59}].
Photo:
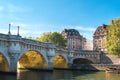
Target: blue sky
[{"x": 37, "y": 16}]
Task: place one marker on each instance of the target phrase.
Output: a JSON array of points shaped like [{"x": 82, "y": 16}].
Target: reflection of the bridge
[
  {"x": 34, "y": 75},
  {"x": 66, "y": 75},
  {"x": 61, "y": 75},
  {"x": 112, "y": 76}
]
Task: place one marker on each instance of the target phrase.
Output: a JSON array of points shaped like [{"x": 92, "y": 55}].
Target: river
[{"x": 60, "y": 75}]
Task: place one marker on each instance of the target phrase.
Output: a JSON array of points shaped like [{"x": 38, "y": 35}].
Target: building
[
  {"x": 74, "y": 39},
  {"x": 88, "y": 45},
  {"x": 99, "y": 38}
]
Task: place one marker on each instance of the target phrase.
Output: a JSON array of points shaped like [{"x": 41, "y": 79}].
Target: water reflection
[
  {"x": 60, "y": 75},
  {"x": 7, "y": 77},
  {"x": 77, "y": 75},
  {"x": 34, "y": 75},
  {"x": 112, "y": 76}
]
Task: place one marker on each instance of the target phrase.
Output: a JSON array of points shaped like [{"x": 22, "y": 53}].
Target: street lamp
[
  {"x": 9, "y": 29},
  {"x": 18, "y": 30}
]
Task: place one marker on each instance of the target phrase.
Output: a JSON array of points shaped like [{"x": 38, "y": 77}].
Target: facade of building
[
  {"x": 74, "y": 39},
  {"x": 88, "y": 45},
  {"x": 99, "y": 38}
]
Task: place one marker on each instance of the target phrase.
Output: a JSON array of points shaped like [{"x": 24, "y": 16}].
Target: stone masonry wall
[{"x": 110, "y": 59}]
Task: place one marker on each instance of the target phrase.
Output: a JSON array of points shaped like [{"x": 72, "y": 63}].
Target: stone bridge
[{"x": 17, "y": 52}]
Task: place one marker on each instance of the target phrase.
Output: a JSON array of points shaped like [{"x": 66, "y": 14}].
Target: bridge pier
[
  {"x": 50, "y": 65},
  {"x": 50, "y": 62},
  {"x": 13, "y": 57},
  {"x": 13, "y": 64}
]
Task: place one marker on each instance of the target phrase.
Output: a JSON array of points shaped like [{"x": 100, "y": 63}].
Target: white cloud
[
  {"x": 1, "y": 8},
  {"x": 10, "y": 12},
  {"x": 85, "y": 28},
  {"x": 9, "y": 7},
  {"x": 15, "y": 8},
  {"x": 88, "y": 35},
  {"x": 5, "y": 31}
]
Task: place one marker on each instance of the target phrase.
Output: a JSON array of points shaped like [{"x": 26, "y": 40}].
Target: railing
[
  {"x": 6, "y": 36},
  {"x": 47, "y": 45},
  {"x": 27, "y": 41}
]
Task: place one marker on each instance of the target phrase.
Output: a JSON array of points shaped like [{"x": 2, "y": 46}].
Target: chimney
[
  {"x": 18, "y": 30},
  {"x": 103, "y": 26},
  {"x": 9, "y": 29}
]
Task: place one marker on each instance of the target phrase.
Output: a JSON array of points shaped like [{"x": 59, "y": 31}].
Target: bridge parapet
[
  {"x": 38, "y": 43},
  {"x": 6, "y": 36},
  {"x": 27, "y": 41},
  {"x": 60, "y": 50}
]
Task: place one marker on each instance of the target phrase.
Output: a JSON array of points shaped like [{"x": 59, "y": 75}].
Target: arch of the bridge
[
  {"x": 65, "y": 56},
  {"x": 60, "y": 61},
  {"x": 34, "y": 59},
  {"x": 82, "y": 60},
  {"x": 4, "y": 64}
]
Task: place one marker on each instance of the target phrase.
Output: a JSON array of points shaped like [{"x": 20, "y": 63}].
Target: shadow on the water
[
  {"x": 69, "y": 74},
  {"x": 55, "y": 75},
  {"x": 84, "y": 67},
  {"x": 34, "y": 75},
  {"x": 59, "y": 75},
  {"x": 7, "y": 76}
]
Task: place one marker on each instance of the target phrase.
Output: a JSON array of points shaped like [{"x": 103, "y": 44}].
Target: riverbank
[{"x": 93, "y": 67}]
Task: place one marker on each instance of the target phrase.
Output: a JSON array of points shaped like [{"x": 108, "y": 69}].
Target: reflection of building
[
  {"x": 74, "y": 39},
  {"x": 99, "y": 38}
]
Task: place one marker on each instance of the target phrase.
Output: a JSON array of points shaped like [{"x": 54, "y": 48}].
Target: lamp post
[
  {"x": 9, "y": 29},
  {"x": 18, "y": 30}
]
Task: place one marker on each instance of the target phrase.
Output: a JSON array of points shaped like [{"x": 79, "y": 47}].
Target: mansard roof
[
  {"x": 71, "y": 32},
  {"x": 101, "y": 30}
]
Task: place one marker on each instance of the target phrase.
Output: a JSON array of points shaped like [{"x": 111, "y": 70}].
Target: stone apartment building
[
  {"x": 74, "y": 39},
  {"x": 88, "y": 45},
  {"x": 99, "y": 38}
]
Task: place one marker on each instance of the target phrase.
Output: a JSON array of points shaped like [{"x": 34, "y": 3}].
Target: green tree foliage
[
  {"x": 113, "y": 37},
  {"x": 54, "y": 37}
]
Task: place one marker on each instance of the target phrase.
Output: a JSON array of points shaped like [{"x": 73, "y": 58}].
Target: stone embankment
[{"x": 94, "y": 67}]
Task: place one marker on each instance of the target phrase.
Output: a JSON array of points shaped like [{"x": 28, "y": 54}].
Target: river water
[{"x": 60, "y": 75}]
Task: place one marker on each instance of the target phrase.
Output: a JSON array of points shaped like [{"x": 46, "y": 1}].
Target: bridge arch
[
  {"x": 81, "y": 60},
  {"x": 60, "y": 61},
  {"x": 4, "y": 66},
  {"x": 32, "y": 59}
]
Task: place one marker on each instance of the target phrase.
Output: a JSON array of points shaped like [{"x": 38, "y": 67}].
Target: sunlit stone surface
[
  {"x": 3, "y": 64},
  {"x": 32, "y": 59},
  {"x": 60, "y": 62}
]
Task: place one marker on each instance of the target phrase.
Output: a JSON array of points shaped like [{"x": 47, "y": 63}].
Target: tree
[
  {"x": 113, "y": 37},
  {"x": 54, "y": 37}
]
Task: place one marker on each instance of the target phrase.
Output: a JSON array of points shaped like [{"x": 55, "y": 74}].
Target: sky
[{"x": 37, "y": 16}]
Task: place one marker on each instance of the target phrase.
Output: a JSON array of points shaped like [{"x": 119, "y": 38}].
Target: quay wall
[{"x": 94, "y": 67}]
